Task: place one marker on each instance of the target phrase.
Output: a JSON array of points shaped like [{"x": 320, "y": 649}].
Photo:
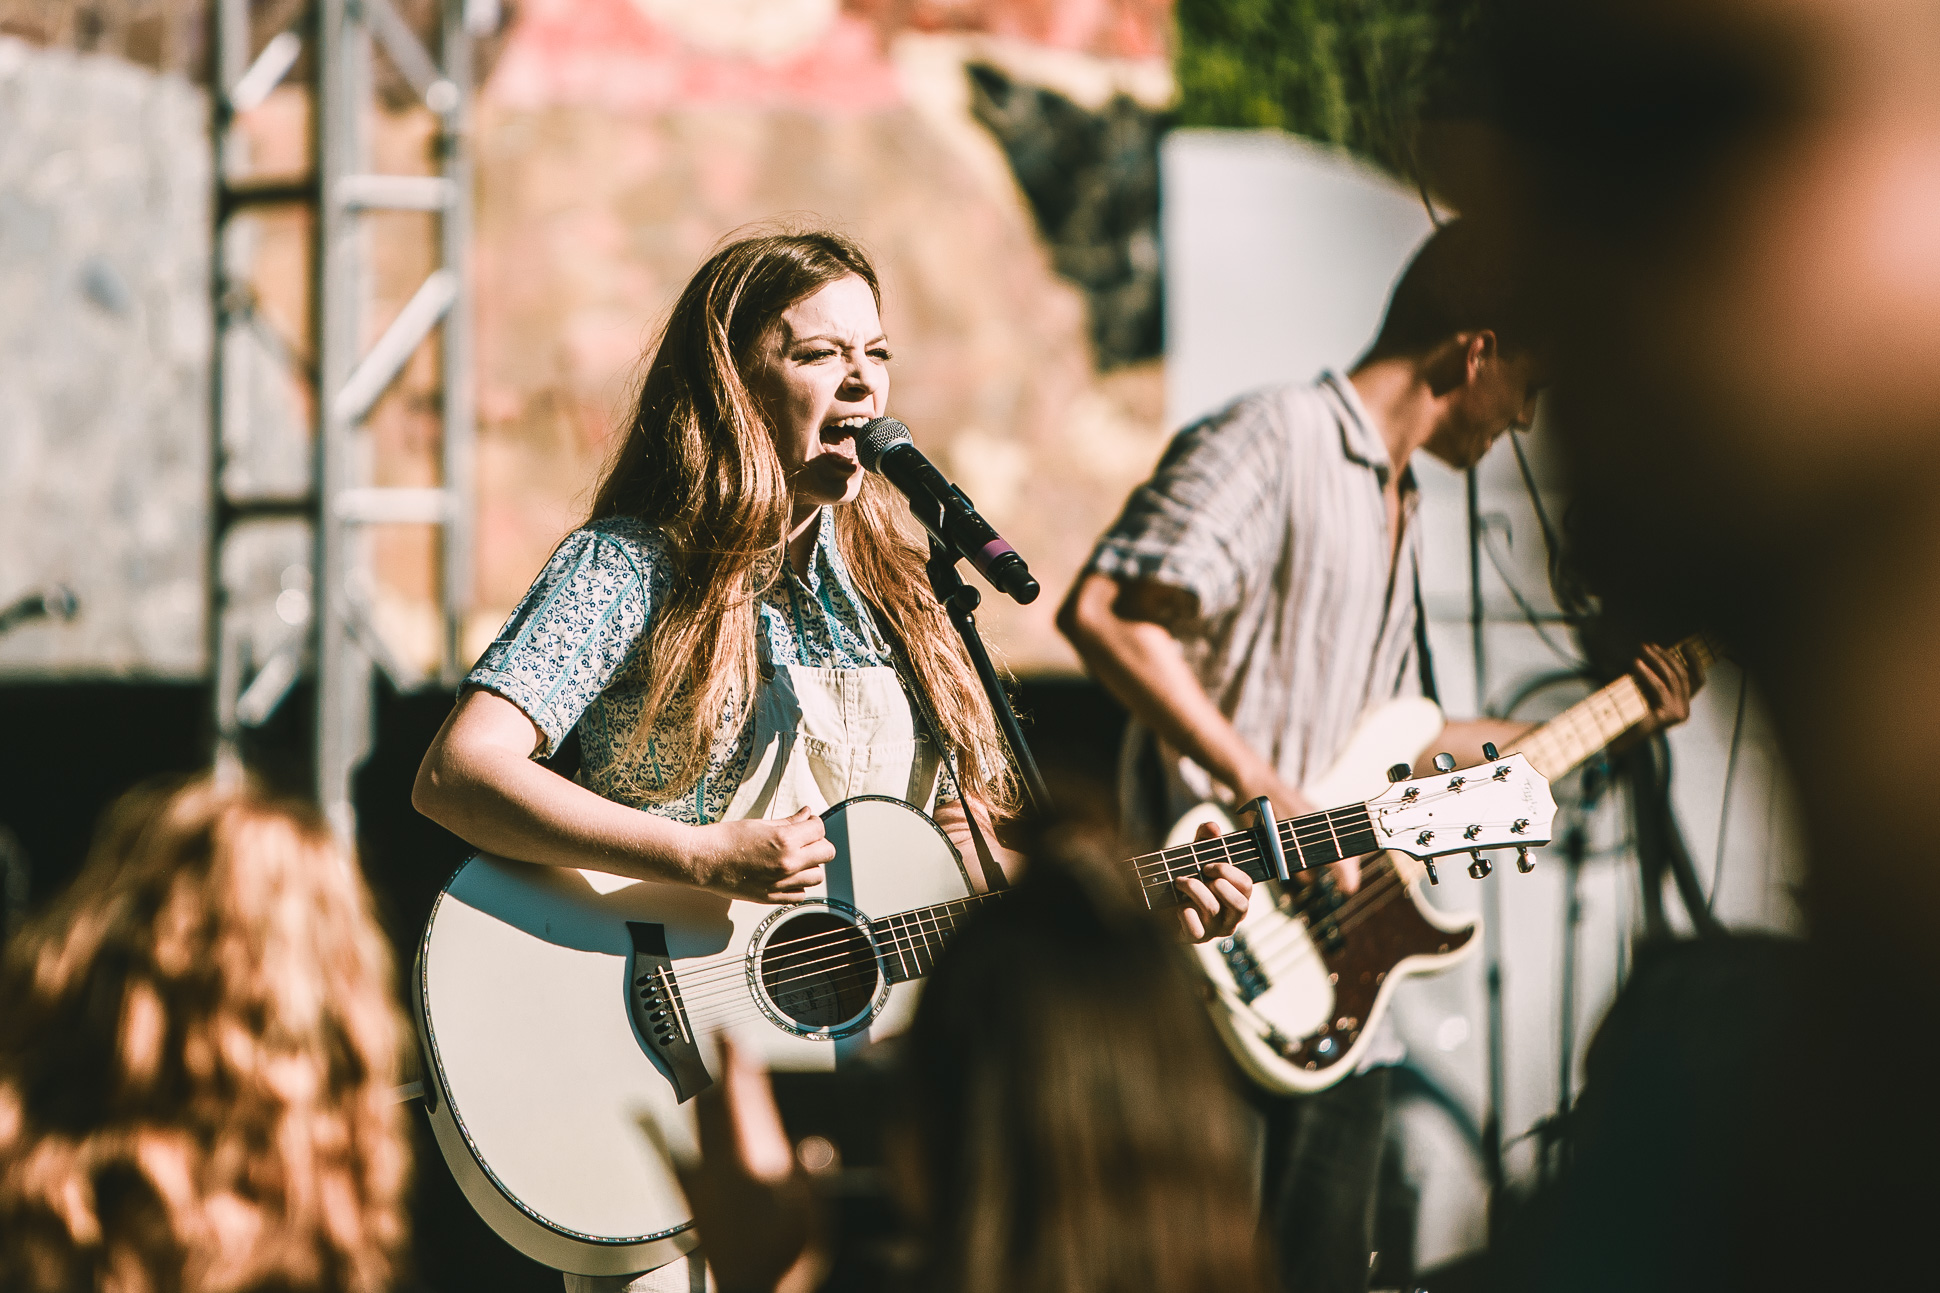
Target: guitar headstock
[{"x": 1503, "y": 803}]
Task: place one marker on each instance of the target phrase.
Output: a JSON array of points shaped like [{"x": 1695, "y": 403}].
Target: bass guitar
[
  {"x": 565, "y": 1014},
  {"x": 1299, "y": 987}
]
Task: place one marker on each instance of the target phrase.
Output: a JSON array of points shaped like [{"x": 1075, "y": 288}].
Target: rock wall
[{"x": 104, "y": 352}]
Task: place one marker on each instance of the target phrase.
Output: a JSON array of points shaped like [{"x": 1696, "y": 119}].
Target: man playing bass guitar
[{"x": 1260, "y": 593}]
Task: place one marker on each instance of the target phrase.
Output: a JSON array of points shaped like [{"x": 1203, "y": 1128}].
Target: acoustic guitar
[{"x": 566, "y": 1015}]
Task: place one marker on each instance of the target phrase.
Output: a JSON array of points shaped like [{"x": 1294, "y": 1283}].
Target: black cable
[
  {"x": 1724, "y": 801},
  {"x": 1661, "y": 848},
  {"x": 1571, "y": 604},
  {"x": 1529, "y": 611}
]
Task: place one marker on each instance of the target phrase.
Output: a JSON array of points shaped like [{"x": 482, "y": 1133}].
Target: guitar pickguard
[{"x": 1317, "y": 988}]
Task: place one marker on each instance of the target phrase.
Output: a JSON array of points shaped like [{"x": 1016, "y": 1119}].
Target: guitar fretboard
[
  {"x": 912, "y": 940},
  {"x": 1598, "y": 719},
  {"x": 1314, "y": 840}
]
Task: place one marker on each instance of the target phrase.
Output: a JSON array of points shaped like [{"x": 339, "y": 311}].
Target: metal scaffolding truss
[{"x": 335, "y": 640}]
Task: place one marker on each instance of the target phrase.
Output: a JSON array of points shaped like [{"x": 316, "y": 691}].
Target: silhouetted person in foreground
[{"x": 1728, "y": 209}]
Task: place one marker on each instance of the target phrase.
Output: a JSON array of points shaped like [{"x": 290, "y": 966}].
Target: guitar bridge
[{"x": 658, "y": 1013}]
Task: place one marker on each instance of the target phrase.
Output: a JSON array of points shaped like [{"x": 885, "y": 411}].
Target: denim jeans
[{"x": 1320, "y": 1181}]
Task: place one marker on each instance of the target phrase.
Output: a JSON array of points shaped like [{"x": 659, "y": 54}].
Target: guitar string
[
  {"x": 908, "y": 937},
  {"x": 790, "y": 968},
  {"x": 728, "y": 971},
  {"x": 705, "y": 990},
  {"x": 732, "y": 966},
  {"x": 710, "y": 1015},
  {"x": 899, "y": 942},
  {"x": 1239, "y": 847},
  {"x": 1387, "y": 884}
]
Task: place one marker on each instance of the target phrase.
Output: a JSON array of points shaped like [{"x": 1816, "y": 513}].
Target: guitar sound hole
[{"x": 819, "y": 970}]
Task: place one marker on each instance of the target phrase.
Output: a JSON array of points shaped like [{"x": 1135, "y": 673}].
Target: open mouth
[{"x": 854, "y": 422}]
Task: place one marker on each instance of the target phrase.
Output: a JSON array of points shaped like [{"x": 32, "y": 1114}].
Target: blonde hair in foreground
[
  {"x": 698, "y": 460},
  {"x": 196, "y": 1057}
]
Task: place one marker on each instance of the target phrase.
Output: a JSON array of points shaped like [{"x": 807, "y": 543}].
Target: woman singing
[
  {"x": 731, "y": 630},
  {"x": 716, "y": 631}
]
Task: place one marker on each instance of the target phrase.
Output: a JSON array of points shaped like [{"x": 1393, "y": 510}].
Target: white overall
[{"x": 820, "y": 736}]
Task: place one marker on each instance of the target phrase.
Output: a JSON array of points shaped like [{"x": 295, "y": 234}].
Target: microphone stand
[{"x": 961, "y": 601}]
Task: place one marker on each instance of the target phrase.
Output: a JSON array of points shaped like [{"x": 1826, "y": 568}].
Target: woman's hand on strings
[
  {"x": 761, "y": 860},
  {"x": 1213, "y": 904}
]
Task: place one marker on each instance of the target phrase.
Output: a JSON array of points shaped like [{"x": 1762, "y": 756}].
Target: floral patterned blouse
[{"x": 564, "y": 657}]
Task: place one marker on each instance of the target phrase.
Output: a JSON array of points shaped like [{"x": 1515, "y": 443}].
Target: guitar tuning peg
[
  {"x": 1489, "y": 753},
  {"x": 1433, "y": 878},
  {"x": 1478, "y": 869},
  {"x": 1523, "y": 864},
  {"x": 1399, "y": 772},
  {"x": 1444, "y": 762}
]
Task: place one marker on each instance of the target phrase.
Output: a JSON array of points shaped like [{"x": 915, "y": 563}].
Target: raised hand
[
  {"x": 761, "y": 860},
  {"x": 752, "y": 1203}
]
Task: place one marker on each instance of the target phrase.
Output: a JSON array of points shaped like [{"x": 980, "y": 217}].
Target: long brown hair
[
  {"x": 698, "y": 460},
  {"x": 1075, "y": 1129},
  {"x": 197, "y": 1050}
]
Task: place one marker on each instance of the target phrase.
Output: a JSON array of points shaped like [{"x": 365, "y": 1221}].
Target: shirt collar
[
  {"x": 1359, "y": 437},
  {"x": 824, "y": 561}
]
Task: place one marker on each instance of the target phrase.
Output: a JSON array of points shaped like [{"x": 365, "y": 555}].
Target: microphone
[{"x": 885, "y": 447}]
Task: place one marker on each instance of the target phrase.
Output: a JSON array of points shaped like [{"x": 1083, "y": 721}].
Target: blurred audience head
[
  {"x": 196, "y": 1061},
  {"x": 1072, "y": 1123},
  {"x": 1727, "y": 210}
]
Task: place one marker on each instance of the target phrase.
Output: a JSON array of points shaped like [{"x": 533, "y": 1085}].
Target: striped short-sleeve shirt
[{"x": 1269, "y": 513}]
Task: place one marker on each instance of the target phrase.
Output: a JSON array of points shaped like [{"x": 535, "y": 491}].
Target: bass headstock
[{"x": 1502, "y": 803}]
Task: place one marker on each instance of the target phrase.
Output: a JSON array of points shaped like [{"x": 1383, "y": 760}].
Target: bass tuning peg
[
  {"x": 1399, "y": 772},
  {"x": 1489, "y": 753},
  {"x": 1523, "y": 864},
  {"x": 1444, "y": 762},
  {"x": 1433, "y": 878},
  {"x": 1480, "y": 868}
]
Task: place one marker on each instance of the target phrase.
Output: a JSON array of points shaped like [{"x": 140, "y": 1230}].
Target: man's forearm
[{"x": 1143, "y": 665}]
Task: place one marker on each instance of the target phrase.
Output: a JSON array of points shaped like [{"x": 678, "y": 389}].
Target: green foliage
[{"x": 1351, "y": 73}]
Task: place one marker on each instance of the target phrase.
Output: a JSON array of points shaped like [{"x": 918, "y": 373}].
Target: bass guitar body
[
  {"x": 566, "y": 1018},
  {"x": 1299, "y": 987}
]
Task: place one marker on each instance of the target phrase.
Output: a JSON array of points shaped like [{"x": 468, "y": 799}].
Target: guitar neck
[
  {"x": 1314, "y": 840},
  {"x": 912, "y": 940},
  {"x": 1598, "y": 719}
]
